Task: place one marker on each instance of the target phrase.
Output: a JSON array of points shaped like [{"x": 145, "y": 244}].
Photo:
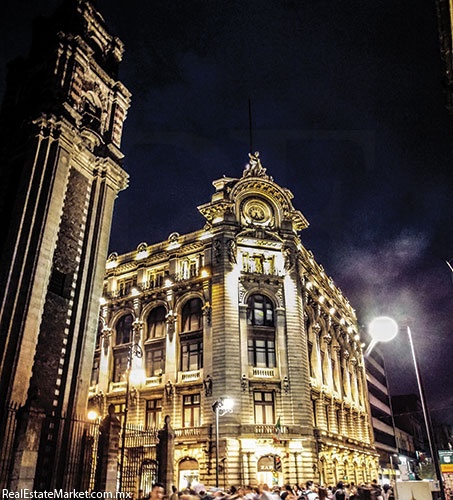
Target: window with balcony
[
  {"x": 191, "y": 338},
  {"x": 120, "y": 365},
  {"x": 261, "y": 353},
  {"x": 260, "y": 311},
  {"x": 125, "y": 286},
  {"x": 264, "y": 407},
  {"x": 155, "y": 361},
  {"x": 156, "y": 323},
  {"x": 153, "y": 413},
  {"x": 191, "y": 410},
  {"x": 261, "y": 332},
  {"x": 191, "y": 354}
]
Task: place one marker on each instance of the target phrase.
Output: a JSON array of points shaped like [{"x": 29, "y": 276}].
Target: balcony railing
[
  {"x": 264, "y": 429},
  {"x": 154, "y": 284},
  {"x": 190, "y": 432},
  {"x": 118, "y": 386},
  {"x": 153, "y": 380},
  {"x": 263, "y": 372},
  {"x": 191, "y": 376}
]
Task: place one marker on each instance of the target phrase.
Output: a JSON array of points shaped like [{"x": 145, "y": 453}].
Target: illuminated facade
[{"x": 238, "y": 309}]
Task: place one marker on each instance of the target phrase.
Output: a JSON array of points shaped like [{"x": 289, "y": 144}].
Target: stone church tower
[{"x": 60, "y": 128}]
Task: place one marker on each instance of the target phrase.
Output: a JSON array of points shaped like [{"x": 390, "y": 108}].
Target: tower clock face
[{"x": 256, "y": 211}]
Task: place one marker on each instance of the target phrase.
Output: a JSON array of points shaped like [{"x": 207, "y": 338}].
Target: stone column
[
  {"x": 344, "y": 431},
  {"x": 26, "y": 448},
  {"x": 165, "y": 454},
  {"x": 107, "y": 459},
  {"x": 333, "y": 424},
  {"x": 321, "y": 422}
]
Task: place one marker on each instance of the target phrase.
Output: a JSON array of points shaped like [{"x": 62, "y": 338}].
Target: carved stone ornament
[
  {"x": 316, "y": 328},
  {"x": 206, "y": 311},
  {"x": 171, "y": 322},
  {"x": 106, "y": 334},
  {"x": 232, "y": 251},
  {"x": 288, "y": 255},
  {"x": 217, "y": 251},
  {"x": 327, "y": 338},
  {"x": 244, "y": 382},
  {"x": 254, "y": 167},
  {"x": 137, "y": 329}
]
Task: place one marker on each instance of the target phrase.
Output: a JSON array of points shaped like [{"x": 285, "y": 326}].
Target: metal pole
[
  {"x": 427, "y": 417},
  {"x": 216, "y": 409}
]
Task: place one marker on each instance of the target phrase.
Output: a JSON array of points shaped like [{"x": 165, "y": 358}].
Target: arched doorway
[
  {"x": 270, "y": 470},
  {"x": 188, "y": 473},
  {"x": 148, "y": 474}
]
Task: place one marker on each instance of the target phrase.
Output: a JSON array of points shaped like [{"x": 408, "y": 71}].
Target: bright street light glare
[
  {"x": 383, "y": 329},
  {"x": 227, "y": 404}
]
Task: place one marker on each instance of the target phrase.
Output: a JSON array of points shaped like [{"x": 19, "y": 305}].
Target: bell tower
[{"x": 60, "y": 131}]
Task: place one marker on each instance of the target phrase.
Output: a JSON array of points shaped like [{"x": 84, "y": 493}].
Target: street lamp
[
  {"x": 220, "y": 408},
  {"x": 383, "y": 329}
]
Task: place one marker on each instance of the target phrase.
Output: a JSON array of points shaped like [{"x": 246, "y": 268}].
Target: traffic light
[{"x": 277, "y": 463}]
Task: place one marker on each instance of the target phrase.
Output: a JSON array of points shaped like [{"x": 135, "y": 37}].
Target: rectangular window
[
  {"x": 120, "y": 409},
  {"x": 120, "y": 366},
  {"x": 155, "y": 362},
  {"x": 153, "y": 413},
  {"x": 191, "y": 355},
  {"x": 125, "y": 286},
  {"x": 264, "y": 407},
  {"x": 323, "y": 355},
  {"x": 191, "y": 410},
  {"x": 95, "y": 371},
  {"x": 261, "y": 353},
  {"x": 310, "y": 350}
]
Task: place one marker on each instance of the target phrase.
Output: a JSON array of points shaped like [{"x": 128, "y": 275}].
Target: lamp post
[
  {"x": 135, "y": 351},
  {"x": 220, "y": 408},
  {"x": 383, "y": 329}
]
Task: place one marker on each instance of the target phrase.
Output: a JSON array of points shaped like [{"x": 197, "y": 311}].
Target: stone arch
[
  {"x": 270, "y": 294},
  {"x": 118, "y": 315}
]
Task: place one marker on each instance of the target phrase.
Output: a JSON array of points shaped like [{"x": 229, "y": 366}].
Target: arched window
[
  {"x": 124, "y": 329},
  {"x": 260, "y": 311},
  {"x": 261, "y": 335},
  {"x": 156, "y": 322},
  {"x": 191, "y": 316}
]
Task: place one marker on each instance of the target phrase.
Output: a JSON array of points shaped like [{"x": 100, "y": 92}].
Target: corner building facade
[{"x": 239, "y": 309}]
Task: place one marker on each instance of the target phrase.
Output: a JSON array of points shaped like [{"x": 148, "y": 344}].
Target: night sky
[{"x": 348, "y": 113}]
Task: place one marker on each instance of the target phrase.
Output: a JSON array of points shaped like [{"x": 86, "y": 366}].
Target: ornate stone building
[
  {"x": 61, "y": 125},
  {"x": 238, "y": 309}
]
